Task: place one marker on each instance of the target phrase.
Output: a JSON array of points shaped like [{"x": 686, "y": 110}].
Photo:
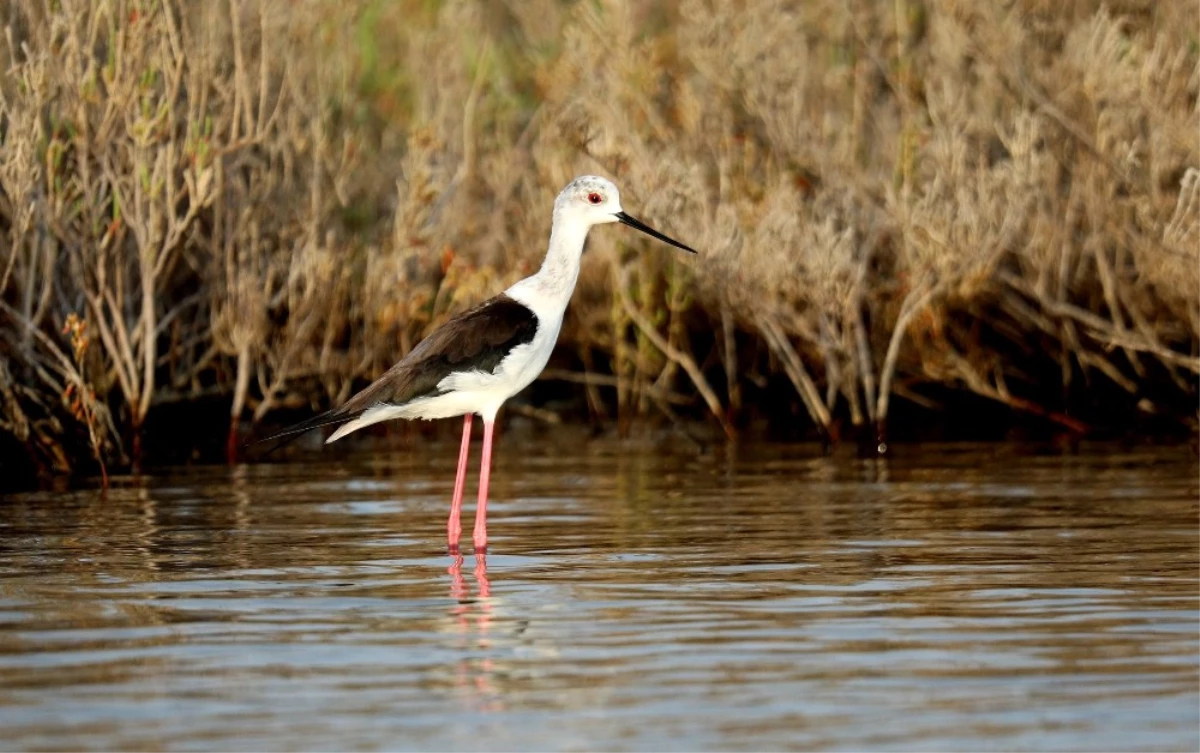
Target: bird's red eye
[{"x": 595, "y": 198}]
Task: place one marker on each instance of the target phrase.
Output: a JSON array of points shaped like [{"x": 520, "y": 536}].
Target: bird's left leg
[{"x": 485, "y": 473}]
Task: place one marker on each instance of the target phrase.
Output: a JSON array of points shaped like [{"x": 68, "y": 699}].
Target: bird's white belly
[
  {"x": 483, "y": 392},
  {"x": 478, "y": 392}
]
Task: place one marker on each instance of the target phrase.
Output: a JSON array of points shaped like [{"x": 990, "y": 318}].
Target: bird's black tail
[{"x": 297, "y": 430}]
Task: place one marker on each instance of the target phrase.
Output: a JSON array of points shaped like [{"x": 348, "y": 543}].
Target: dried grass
[{"x": 273, "y": 199}]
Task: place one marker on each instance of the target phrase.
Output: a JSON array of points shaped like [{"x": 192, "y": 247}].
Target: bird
[{"x": 470, "y": 365}]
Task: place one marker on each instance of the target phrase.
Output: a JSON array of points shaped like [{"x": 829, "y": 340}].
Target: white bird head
[{"x": 592, "y": 200}]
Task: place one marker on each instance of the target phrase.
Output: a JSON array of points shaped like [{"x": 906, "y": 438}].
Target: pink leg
[
  {"x": 485, "y": 474},
  {"x": 453, "y": 527}
]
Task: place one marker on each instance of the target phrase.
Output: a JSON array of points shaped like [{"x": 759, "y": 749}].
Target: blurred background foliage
[{"x": 262, "y": 204}]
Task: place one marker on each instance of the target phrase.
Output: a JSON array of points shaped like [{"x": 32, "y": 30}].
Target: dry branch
[{"x": 273, "y": 201}]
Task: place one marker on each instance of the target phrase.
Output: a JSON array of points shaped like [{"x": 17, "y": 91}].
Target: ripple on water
[{"x": 958, "y": 597}]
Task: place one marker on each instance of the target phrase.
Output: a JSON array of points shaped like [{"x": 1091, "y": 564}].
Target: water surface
[{"x": 952, "y": 597}]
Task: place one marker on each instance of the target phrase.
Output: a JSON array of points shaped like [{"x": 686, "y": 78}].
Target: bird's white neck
[{"x": 549, "y": 290}]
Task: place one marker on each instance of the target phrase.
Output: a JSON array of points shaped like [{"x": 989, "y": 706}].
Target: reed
[{"x": 269, "y": 201}]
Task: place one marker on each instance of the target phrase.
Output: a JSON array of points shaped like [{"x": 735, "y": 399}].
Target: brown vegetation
[{"x": 271, "y": 200}]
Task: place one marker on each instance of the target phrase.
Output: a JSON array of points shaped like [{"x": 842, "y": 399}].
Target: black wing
[{"x": 476, "y": 340}]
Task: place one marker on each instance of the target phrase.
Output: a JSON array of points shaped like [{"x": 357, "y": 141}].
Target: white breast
[{"x": 514, "y": 373}]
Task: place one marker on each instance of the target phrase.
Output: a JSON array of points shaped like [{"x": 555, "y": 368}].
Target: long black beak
[{"x": 636, "y": 224}]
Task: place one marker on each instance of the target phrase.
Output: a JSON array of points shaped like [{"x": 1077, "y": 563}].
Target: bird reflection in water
[
  {"x": 458, "y": 587},
  {"x": 473, "y": 618}
]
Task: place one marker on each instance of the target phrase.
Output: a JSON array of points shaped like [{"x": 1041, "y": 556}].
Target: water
[{"x": 957, "y": 597}]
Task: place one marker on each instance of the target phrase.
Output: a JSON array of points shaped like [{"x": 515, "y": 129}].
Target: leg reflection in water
[
  {"x": 458, "y": 588},
  {"x": 472, "y": 616}
]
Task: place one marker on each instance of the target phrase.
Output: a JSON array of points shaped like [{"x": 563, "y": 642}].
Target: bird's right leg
[{"x": 453, "y": 526}]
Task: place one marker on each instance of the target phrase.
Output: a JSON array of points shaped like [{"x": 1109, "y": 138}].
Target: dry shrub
[{"x": 271, "y": 200}]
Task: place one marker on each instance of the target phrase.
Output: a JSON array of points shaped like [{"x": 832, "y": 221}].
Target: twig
[
  {"x": 914, "y": 302},
  {"x": 683, "y": 359},
  {"x": 794, "y": 367},
  {"x": 605, "y": 380}
]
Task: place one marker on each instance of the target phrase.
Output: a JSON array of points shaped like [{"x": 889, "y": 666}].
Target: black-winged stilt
[{"x": 479, "y": 359}]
